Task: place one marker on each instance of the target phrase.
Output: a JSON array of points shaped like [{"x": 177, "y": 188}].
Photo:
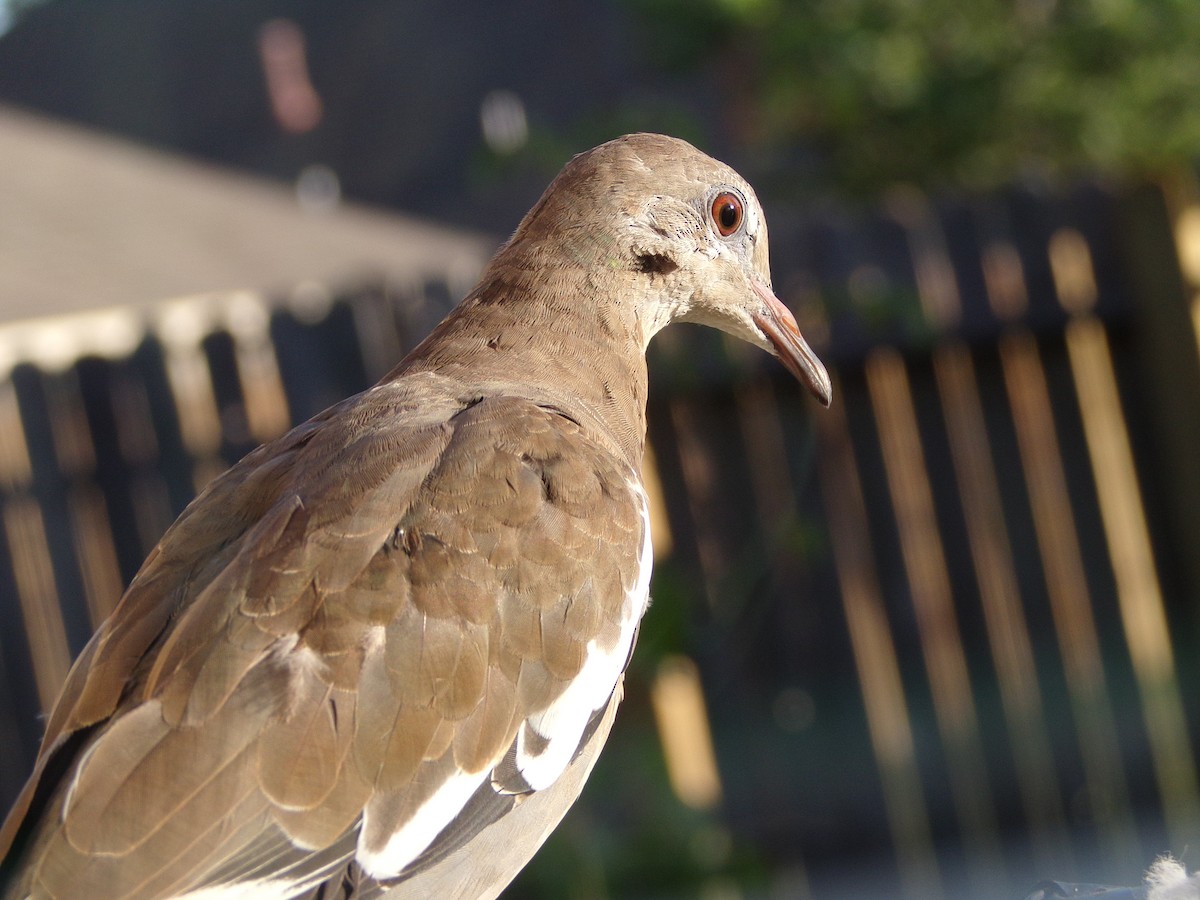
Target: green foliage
[{"x": 942, "y": 91}]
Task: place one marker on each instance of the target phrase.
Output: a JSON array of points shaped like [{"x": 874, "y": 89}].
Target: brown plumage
[{"x": 381, "y": 652}]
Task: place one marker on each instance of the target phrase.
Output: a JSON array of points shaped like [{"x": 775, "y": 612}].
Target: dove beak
[{"x": 779, "y": 325}]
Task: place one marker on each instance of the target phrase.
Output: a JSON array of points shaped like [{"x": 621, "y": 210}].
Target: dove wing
[{"x": 353, "y": 652}]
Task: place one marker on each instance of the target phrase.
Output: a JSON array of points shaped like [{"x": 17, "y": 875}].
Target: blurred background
[{"x": 937, "y": 641}]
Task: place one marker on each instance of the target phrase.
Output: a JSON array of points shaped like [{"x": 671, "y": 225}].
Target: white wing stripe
[
  {"x": 562, "y": 723},
  {"x": 418, "y": 832}
]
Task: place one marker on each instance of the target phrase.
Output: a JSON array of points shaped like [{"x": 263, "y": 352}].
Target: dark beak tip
[
  {"x": 809, "y": 371},
  {"x": 822, "y": 390}
]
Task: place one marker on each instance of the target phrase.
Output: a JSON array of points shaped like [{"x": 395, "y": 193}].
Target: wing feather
[
  {"x": 300, "y": 755},
  {"x": 327, "y": 661}
]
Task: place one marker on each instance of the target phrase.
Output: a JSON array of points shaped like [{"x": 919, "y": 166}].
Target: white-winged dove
[{"x": 380, "y": 654}]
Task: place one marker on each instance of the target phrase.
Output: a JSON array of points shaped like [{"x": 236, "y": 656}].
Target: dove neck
[{"x": 563, "y": 337}]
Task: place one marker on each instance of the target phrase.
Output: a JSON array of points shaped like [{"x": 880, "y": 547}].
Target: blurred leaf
[{"x": 937, "y": 91}]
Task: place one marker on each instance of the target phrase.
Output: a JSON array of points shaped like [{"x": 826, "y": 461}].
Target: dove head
[{"x": 677, "y": 233}]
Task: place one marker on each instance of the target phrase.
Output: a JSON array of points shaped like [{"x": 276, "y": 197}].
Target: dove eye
[{"x": 727, "y": 213}]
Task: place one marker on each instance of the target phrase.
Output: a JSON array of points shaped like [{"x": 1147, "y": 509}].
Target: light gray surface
[{"x": 89, "y": 221}]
